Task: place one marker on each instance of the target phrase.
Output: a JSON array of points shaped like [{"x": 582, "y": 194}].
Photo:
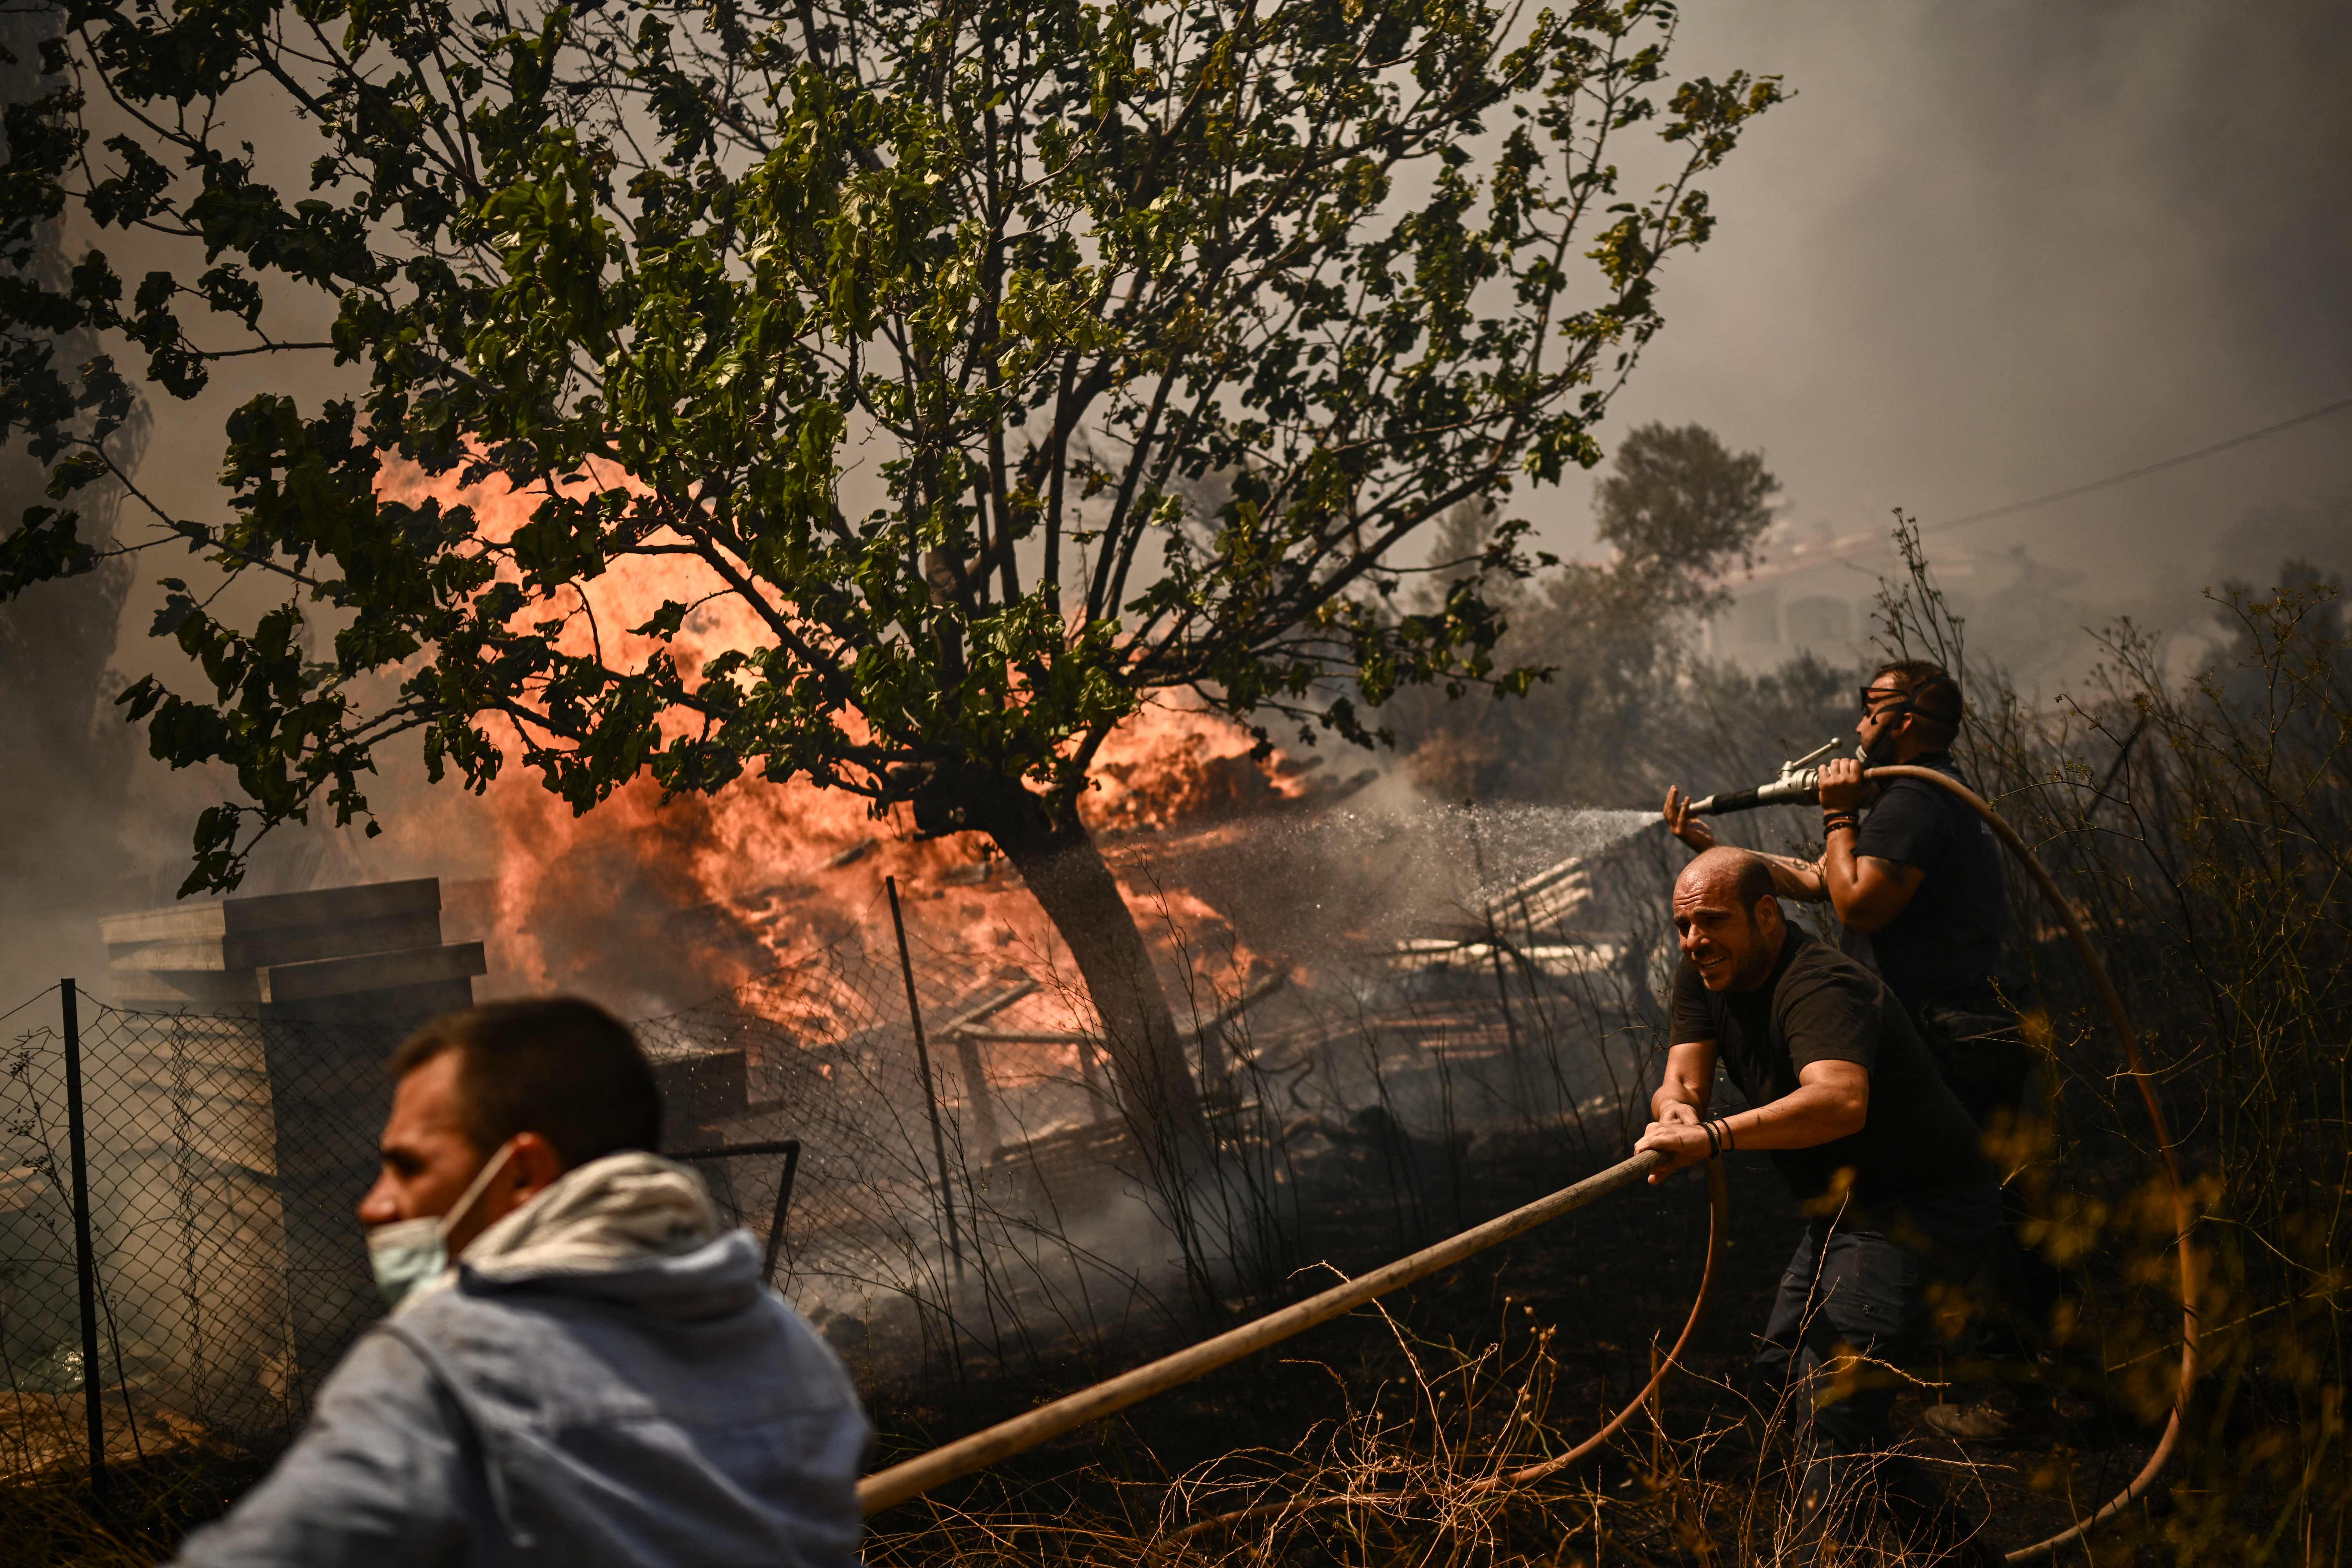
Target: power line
[{"x": 2015, "y": 507}]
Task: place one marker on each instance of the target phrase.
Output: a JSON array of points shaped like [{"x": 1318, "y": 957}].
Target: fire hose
[
  {"x": 920, "y": 1474},
  {"x": 913, "y": 1476},
  {"x": 2183, "y": 1214}
]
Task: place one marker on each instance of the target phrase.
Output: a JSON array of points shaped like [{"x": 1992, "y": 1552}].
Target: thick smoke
[
  {"x": 66, "y": 789},
  {"x": 1994, "y": 251}
]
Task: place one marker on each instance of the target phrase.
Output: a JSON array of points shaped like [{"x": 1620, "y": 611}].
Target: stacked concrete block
[
  {"x": 236, "y": 1135},
  {"x": 356, "y": 954}
]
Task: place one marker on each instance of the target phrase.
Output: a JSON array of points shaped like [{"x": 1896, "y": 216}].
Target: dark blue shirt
[
  {"x": 1945, "y": 947},
  {"x": 1818, "y": 1005}
]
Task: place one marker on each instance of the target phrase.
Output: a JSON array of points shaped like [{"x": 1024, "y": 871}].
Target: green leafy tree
[
  {"x": 1167, "y": 323},
  {"x": 1682, "y": 510}
]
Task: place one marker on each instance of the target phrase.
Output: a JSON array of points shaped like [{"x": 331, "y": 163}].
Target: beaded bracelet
[{"x": 1831, "y": 824}]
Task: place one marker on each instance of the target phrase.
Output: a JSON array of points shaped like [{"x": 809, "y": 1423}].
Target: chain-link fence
[
  {"x": 212, "y": 1164},
  {"x": 996, "y": 1207},
  {"x": 207, "y": 1168}
]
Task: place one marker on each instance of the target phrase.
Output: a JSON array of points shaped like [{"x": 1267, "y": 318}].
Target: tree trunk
[{"x": 1065, "y": 871}]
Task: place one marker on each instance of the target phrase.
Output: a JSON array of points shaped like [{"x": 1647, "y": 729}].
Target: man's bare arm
[
  {"x": 1832, "y": 1099},
  {"x": 1688, "y": 1084},
  {"x": 1791, "y": 879},
  {"x": 1866, "y": 892},
  {"x": 1798, "y": 880}
]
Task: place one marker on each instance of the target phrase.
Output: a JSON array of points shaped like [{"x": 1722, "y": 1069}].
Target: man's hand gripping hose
[{"x": 917, "y": 1475}]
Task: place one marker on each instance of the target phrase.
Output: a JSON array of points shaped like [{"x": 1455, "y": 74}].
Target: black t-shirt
[
  {"x": 1820, "y": 1005},
  {"x": 1945, "y": 947}
]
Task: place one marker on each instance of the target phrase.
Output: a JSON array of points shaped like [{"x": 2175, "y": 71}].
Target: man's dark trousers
[
  {"x": 1856, "y": 1287},
  {"x": 1981, "y": 1052}
]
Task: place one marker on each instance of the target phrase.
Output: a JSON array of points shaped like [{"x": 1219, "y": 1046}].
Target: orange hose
[{"x": 2184, "y": 1214}]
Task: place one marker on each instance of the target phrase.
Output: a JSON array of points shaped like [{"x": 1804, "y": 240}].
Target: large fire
[{"x": 652, "y": 903}]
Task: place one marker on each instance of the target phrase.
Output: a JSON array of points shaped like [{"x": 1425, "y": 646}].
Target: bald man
[{"x": 1875, "y": 1148}]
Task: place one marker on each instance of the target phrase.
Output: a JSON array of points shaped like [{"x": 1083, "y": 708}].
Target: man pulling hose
[{"x": 1871, "y": 1142}]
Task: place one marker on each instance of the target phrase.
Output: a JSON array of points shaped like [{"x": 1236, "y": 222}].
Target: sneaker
[{"x": 1980, "y": 1423}]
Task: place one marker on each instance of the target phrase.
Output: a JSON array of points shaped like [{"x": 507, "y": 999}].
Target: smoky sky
[
  {"x": 1992, "y": 251},
  {"x": 1988, "y": 251}
]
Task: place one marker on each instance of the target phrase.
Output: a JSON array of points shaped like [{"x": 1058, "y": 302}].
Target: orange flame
[{"x": 660, "y": 905}]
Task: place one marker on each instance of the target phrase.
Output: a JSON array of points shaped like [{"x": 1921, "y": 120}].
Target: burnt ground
[{"x": 1611, "y": 1279}]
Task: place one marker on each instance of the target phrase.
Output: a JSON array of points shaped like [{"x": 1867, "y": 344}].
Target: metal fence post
[
  {"x": 923, "y": 1060},
  {"x": 84, "y": 1256},
  {"x": 783, "y": 1202}
]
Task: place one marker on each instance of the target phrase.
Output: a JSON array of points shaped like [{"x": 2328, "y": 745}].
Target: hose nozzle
[{"x": 1799, "y": 782}]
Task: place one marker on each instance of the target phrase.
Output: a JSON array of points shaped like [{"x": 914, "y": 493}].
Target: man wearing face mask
[{"x": 581, "y": 1366}]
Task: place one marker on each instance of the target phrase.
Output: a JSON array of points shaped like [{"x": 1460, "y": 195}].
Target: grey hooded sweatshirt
[{"x": 602, "y": 1380}]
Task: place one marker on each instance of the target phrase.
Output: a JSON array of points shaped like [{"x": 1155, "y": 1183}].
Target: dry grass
[
  {"x": 148, "y": 1504},
  {"x": 1423, "y": 1469}
]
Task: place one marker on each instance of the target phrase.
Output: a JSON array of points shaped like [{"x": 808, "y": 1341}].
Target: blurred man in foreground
[
  {"x": 1871, "y": 1144},
  {"x": 581, "y": 1367}
]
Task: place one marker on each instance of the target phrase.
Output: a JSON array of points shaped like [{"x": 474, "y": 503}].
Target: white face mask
[{"x": 407, "y": 1252}]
